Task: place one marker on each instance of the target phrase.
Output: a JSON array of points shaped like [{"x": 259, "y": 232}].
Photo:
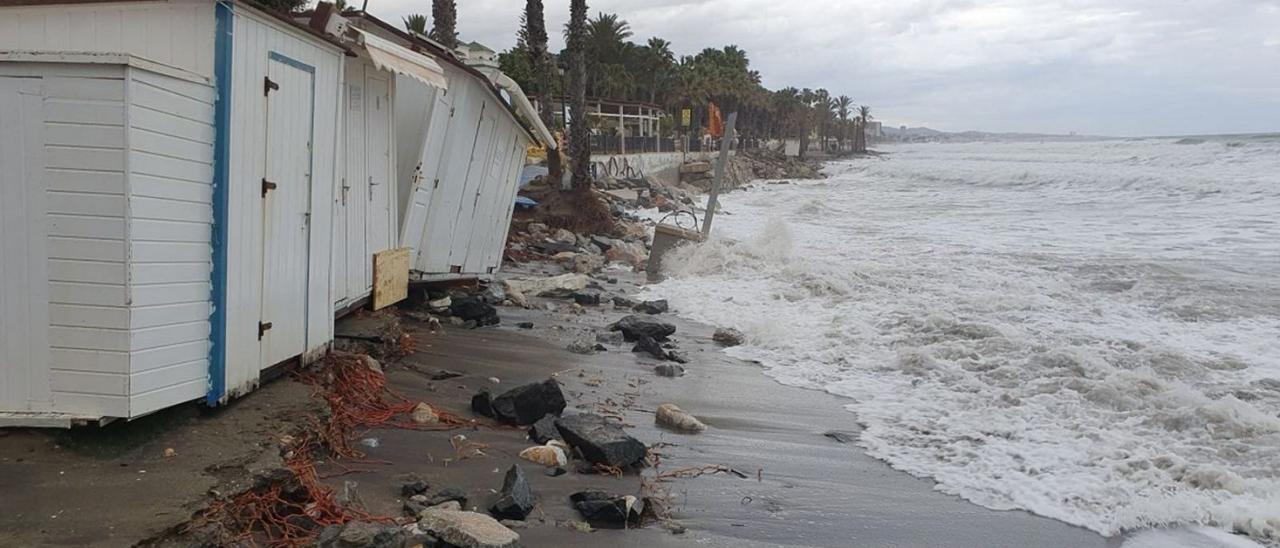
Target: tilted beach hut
[
  {"x": 460, "y": 153},
  {"x": 366, "y": 214},
  {"x": 165, "y": 198}
]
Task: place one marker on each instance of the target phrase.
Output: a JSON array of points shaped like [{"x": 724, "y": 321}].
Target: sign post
[
  {"x": 725, "y": 144},
  {"x": 686, "y": 118}
]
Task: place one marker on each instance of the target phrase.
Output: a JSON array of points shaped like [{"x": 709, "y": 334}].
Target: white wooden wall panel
[
  {"x": 24, "y": 348},
  {"x": 447, "y": 198},
  {"x": 125, "y": 275},
  {"x": 464, "y": 220},
  {"x": 254, "y": 37},
  {"x": 176, "y": 33},
  {"x": 491, "y": 201},
  {"x": 413, "y": 102},
  {"x": 85, "y": 164},
  {"x": 504, "y": 204},
  {"x": 425, "y": 174}
]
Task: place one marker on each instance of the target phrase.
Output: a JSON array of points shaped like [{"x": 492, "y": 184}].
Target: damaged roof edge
[
  {"x": 448, "y": 57},
  {"x": 288, "y": 20}
]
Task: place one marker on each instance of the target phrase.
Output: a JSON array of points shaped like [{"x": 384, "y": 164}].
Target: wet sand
[{"x": 803, "y": 489}]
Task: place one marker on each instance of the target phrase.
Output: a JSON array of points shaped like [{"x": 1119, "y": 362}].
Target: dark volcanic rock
[
  {"x": 649, "y": 346},
  {"x": 600, "y": 441},
  {"x": 586, "y": 298},
  {"x": 633, "y": 326},
  {"x": 515, "y": 501},
  {"x": 556, "y": 472},
  {"x": 602, "y": 509},
  {"x": 413, "y": 488},
  {"x": 646, "y": 344},
  {"x": 623, "y": 302},
  {"x": 474, "y": 309},
  {"x": 544, "y": 430},
  {"x": 481, "y": 405},
  {"x": 652, "y": 307},
  {"x": 525, "y": 325},
  {"x": 526, "y": 404}
]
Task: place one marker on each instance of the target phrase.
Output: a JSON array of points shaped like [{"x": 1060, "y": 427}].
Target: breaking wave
[{"x": 1026, "y": 325}]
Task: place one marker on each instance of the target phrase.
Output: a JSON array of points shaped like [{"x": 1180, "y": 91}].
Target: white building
[{"x": 189, "y": 188}]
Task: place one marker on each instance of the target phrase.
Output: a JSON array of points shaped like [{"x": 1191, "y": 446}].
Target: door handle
[
  {"x": 345, "y": 187},
  {"x": 372, "y": 184}
]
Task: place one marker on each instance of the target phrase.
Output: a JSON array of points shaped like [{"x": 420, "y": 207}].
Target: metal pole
[{"x": 725, "y": 144}]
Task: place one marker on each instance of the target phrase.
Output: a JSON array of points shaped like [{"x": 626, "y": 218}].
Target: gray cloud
[{"x": 1115, "y": 67}]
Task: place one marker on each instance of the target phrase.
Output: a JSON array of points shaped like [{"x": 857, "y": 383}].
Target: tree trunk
[{"x": 579, "y": 138}]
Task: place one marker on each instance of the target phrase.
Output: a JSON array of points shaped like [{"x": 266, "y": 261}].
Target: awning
[{"x": 389, "y": 56}]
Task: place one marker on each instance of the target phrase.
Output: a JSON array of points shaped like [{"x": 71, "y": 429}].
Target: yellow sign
[{"x": 686, "y": 117}]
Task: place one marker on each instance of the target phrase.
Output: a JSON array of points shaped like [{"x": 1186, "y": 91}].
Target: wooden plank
[{"x": 390, "y": 277}]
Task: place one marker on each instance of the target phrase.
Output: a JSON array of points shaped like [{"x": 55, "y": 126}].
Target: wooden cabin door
[
  {"x": 426, "y": 178},
  {"x": 286, "y": 209},
  {"x": 379, "y": 169}
]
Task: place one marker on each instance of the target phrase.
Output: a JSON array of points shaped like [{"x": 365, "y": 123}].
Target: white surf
[{"x": 1089, "y": 330}]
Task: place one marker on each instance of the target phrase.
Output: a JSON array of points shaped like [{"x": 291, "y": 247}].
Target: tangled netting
[{"x": 293, "y": 512}]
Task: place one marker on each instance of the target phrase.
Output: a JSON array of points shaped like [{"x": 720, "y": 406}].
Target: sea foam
[{"x": 1083, "y": 330}]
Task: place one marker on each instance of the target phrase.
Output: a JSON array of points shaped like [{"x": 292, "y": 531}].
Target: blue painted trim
[
  {"x": 221, "y": 196},
  {"x": 291, "y": 62}
]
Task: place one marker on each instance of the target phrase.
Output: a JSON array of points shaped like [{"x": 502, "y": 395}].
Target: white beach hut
[
  {"x": 365, "y": 211},
  {"x": 461, "y": 150},
  {"x": 161, "y": 164}
]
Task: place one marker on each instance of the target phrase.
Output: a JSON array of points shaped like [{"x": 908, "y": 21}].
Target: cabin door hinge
[
  {"x": 451, "y": 109},
  {"x": 267, "y": 186},
  {"x": 263, "y": 328},
  {"x": 268, "y": 86}
]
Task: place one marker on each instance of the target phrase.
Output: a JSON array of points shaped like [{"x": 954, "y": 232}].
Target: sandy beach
[{"x": 802, "y": 488}]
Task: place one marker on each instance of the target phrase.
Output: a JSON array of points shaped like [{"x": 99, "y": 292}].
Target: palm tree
[
  {"x": 535, "y": 40},
  {"x": 445, "y": 14},
  {"x": 579, "y": 144},
  {"x": 416, "y": 24},
  {"x": 864, "y": 116},
  {"x": 843, "y": 103}
]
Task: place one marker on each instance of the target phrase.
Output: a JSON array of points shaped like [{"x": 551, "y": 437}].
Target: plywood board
[{"x": 390, "y": 277}]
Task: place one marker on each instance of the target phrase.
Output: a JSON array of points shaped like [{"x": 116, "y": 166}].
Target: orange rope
[{"x": 281, "y": 515}]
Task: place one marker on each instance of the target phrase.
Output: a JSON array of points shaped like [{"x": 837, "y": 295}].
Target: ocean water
[{"x": 1086, "y": 330}]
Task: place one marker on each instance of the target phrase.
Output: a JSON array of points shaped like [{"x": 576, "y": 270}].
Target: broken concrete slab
[
  {"x": 467, "y": 529},
  {"x": 363, "y": 534}
]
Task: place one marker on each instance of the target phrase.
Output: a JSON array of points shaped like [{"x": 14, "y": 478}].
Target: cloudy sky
[{"x": 1105, "y": 67}]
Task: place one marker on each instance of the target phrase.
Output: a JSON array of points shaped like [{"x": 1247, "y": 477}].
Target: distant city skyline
[{"x": 1100, "y": 67}]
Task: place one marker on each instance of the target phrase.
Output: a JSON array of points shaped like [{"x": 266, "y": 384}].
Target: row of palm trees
[{"x": 617, "y": 68}]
